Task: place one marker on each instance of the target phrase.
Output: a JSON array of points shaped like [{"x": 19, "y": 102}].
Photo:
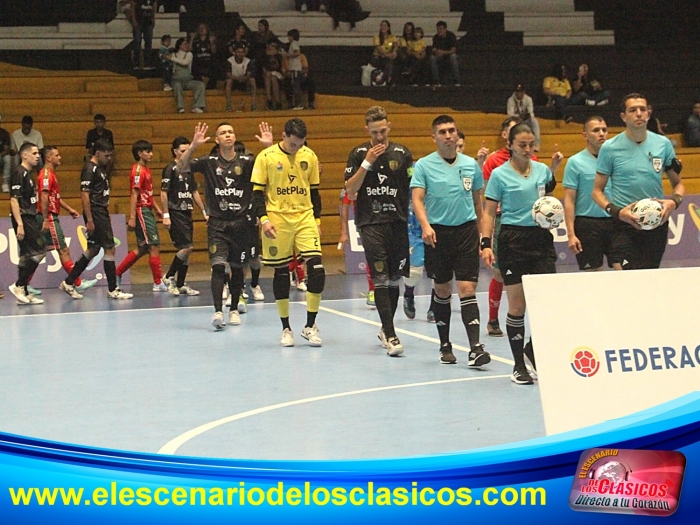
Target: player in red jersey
[{"x": 141, "y": 218}]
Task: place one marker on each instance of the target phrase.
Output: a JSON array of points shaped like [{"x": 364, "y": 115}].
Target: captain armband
[{"x": 674, "y": 165}]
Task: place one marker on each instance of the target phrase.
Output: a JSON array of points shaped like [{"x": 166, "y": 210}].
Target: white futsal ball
[
  {"x": 548, "y": 212},
  {"x": 647, "y": 213}
]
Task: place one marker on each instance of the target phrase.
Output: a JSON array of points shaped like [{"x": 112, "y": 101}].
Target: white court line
[{"x": 173, "y": 445}]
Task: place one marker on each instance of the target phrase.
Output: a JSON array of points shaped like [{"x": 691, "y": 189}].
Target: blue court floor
[{"x": 151, "y": 375}]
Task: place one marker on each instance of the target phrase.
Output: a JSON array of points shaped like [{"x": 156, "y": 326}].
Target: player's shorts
[
  {"x": 181, "y": 229},
  {"x": 146, "y": 228},
  {"x": 295, "y": 232},
  {"x": 33, "y": 242},
  {"x": 596, "y": 235},
  {"x": 229, "y": 241},
  {"x": 102, "y": 236},
  {"x": 494, "y": 240},
  {"x": 456, "y": 253},
  {"x": 415, "y": 244},
  {"x": 386, "y": 250},
  {"x": 54, "y": 238},
  {"x": 639, "y": 249},
  {"x": 525, "y": 250}
]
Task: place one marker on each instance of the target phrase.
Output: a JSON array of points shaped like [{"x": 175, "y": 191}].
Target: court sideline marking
[{"x": 171, "y": 447}]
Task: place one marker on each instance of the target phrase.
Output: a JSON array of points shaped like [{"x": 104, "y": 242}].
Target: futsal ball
[
  {"x": 548, "y": 212},
  {"x": 647, "y": 213}
]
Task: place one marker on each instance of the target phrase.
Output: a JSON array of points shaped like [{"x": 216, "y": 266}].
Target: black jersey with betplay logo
[
  {"x": 93, "y": 179},
  {"x": 23, "y": 189},
  {"x": 227, "y": 187},
  {"x": 178, "y": 187},
  {"x": 383, "y": 196}
]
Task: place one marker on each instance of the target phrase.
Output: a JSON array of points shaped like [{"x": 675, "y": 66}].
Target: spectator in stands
[
  {"x": 239, "y": 40},
  {"x": 344, "y": 11},
  {"x": 587, "y": 90},
  {"x": 241, "y": 76},
  {"x": 692, "y": 127},
  {"x": 292, "y": 67},
  {"x": 165, "y": 63},
  {"x": 204, "y": 56},
  {"x": 144, "y": 12},
  {"x": 307, "y": 83},
  {"x": 444, "y": 51},
  {"x": 27, "y": 134},
  {"x": 260, "y": 40},
  {"x": 557, "y": 88},
  {"x": 272, "y": 75},
  {"x": 97, "y": 133},
  {"x": 182, "y": 78},
  {"x": 415, "y": 56},
  {"x": 5, "y": 157},
  {"x": 520, "y": 105},
  {"x": 654, "y": 124},
  {"x": 386, "y": 48}
]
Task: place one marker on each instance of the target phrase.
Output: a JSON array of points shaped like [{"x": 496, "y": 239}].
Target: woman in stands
[
  {"x": 523, "y": 247},
  {"x": 182, "y": 78},
  {"x": 204, "y": 53},
  {"x": 260, "y": 40},
  {"x": 385, "y": 50},
  {"x": 587, "y": 90},
  {"x": 272, "y": 75},
  {"x": 413, "y": 53}
]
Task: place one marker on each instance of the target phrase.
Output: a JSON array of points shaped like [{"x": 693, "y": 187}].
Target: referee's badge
[
  {"x": 467, "y": 183},
  {"x": 237, "y": 170},
  {"x": 657, "y": 164},
  {"x": 393, "y": 165}
]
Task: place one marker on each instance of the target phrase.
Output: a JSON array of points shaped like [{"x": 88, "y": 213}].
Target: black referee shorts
[
  {"x": 639, "y": 249},
  {"x": 525, "y": 250},
  {"x": 456, "y": 253},
  {"x": 386, "y": 250},
  {"x": 596, "y": 235}
]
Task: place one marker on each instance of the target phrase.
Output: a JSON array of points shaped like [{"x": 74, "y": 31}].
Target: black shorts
[
  {"x": 639, "y": 249},
  {"x": 456, "y": 253},
  {"x": 596, "y": 235},
  {"x": 230, "y": 241},
  {"x": 33, "y": 242},
  {"x": 386, "y": 250},
  {"x": 525, "y": 250},
  {"x": 103, "y": 236},
  {"x": 181, "y": 229}
]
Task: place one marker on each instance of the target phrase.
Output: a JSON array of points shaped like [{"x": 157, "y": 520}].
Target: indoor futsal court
[{"x": 151, "y": 375}]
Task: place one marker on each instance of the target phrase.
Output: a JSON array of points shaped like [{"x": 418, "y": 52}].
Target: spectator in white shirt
[
  {"x": 520, "y": 105},
  {"x": 27, "y": 134}
]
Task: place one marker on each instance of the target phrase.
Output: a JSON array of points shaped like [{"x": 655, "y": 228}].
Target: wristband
[
  {"x": 367, "y": 165},
  {"x": 613, "y": 210},
  {"x": 485, "y": 242},
  {"x": 264, "y": 219},
  {"x": 166, "y": 215},
  {"x": 677, "y": 199}
]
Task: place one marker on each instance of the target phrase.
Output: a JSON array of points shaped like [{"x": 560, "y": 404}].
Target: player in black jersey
[
  {"x": 379, "y": 171},
  {"x": 178, "y": 194},
  {"x": 23, "y": 199},
  {"x": 94, "y": 194},
  {"x": 228, "y": 193}
]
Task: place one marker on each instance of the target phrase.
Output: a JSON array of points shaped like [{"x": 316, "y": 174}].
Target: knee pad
[
  {"x": 280, "y": 283},
  {"x": 414, "y": 277},
  {"x": 315, "y": 275}
]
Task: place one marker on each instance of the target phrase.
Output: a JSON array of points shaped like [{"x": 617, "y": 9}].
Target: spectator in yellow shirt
[
  {"x": 413, "y": 53},
  {"x": 385, "y": 50},
  {"x": 557, "y": 88}
]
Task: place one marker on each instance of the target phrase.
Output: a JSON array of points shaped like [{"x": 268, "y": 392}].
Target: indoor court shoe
[
  {"x": 287, "y": 338},
  {"x": 218, "y": 321},
  {"x": 172, "y": 286},
  {"x": 258, "y": 294},
  {"x": 186, "y": 290},
  {"x": 33, "y": 291},
  {"x": 119, "y": 295},
  {"x": 478, "y": 356},
  {"x": 33, "y": 300},
  {"x": 382, "y": 338},
  {"x": 244, "y": 295},
  {"x": 197, "y": 110},
  {"x": 242, "y": 306},
  {"x": 493, "y": 328},
  {"x": 529, "y": 356},
  {"x": 394, "y": 348},
  {"x": 70, "y": 290},
  {"x": 85, "y": 284},
  {"x": 521, "y": 376},
  {"x": 234, "y": 318},
  {"x": 310, "y": 333},
  {"x": 160, "y": 287},
  {"x": 430, "y": 316},
  {"x": 446, "y": 355},
  {"x": 301, "y": 286},
  {"x": 370, "y": 300},
  {"x": 409, "y": 307},
  {"x": 19, "y": 293}
]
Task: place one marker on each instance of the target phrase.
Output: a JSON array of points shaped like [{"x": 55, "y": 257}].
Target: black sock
[
  {"x": 432, "y": 301},
  {"x": 235, "y": 283},
  {"x": 382, "y": 300},
  {"x": 515, "y": 328},
  {"x": 78, "y": 268},
  {"x": 25, "y": 272},
  {"x": 254, "y": 277},
  {"x": 408, "y": 291},
  {"x": 174, "y": 267},
  {"x": 394, "y": 298},
  {"x": 443, "y": 311},
  {"x": 285, "y": 323},
  {"x": 218, "y": 279},
  {"x": 470, "y": 318},
  {"x": 110, "y": 268},
  {"x": 311, "y": 318},
  {"x": 182, "y": 275}
]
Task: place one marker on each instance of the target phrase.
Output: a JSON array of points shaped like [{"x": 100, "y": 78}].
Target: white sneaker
[
  {"x": 287, "y": 338},
  {"x": 172, "y": 286},
  {"x": 186, "y": 290},
  {"x": 197, "y": 110},
  {"x": 33, "y": 300},
  {"x": 258, "y": 295},
  {"x": 310, "y": 333},
  {"x": 224, "y": 294},
  {"x": 382, "y": 338},
  {"x": 160, "y": 287},
  {"x": 85, "y": 284},
  {"x": 218, "y": 321},
  {"x": 242, "y": 307},
  {"x": 5, "y": 187},
  {"x": 234, "y": 318},
  {"x": 394, "y": 348},
  {"x": 118, "y": 294},
  {"x": 167, "y": 87},
  {"x": 244, "y": 295},
  {"x": 70, "y": 290},
  {"x": 19, "y": 293},
  {"x": 304, "y": 8},
  {"x": 301, "y": 286}
]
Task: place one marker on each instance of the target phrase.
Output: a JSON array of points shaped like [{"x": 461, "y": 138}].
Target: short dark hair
[
  {"x": 179, "y": 141},
  {"x": 517, "y": 129},
  {"x": 239, "y": 148},
  {"x": 99, "y": 116},
  {"x": 623, "y": 103},
  {"x": 179, "y": 42},
  {"x": 294, "y": 33},
  {"x": 506, "y": 123},
  {"x": 139, "y": 146},
  {"x": 164, "y": 38},
  {"x": 264, "y": 22},
  {"x": 591, "y": 118},
  {"x": 102, "y": 145},
  {"x": 45, "y": 151},
  {"x": 460, "y": 134},
  {"x": 375, "y": 114},
  {"x": 27, "y": 119},
  {"x": 222, "y": 124},
  {"x": 442, "y": 119},
  {"x": 24, "y": 147},
  {"x": 441, "y": 23},
  {"x": 296, "y": 127}
]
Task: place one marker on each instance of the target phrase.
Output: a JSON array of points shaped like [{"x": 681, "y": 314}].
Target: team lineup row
[{"x": 430, "y": 214}]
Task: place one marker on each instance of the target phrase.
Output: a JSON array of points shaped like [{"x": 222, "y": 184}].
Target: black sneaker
[
  {"x": 494, "y": 329},
  {"x": 446, "y": 355},
  {"x": 530, "y": 360},
  {"x": 521, "y": 376},
  {"x": 409, "y": 306},
  {"x": 478, "y": 357}
]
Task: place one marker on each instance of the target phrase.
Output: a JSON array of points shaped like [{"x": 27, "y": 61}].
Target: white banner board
[{"x": 609, "y": 344}]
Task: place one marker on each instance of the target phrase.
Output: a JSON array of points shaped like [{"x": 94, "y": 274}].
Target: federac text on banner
[{"x": 278, "y": 495}]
